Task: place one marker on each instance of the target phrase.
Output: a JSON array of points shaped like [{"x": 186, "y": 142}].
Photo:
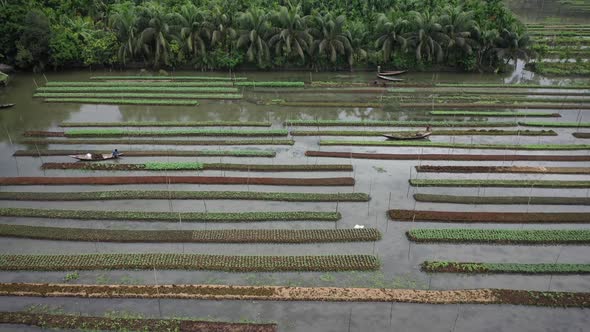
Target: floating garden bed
[
  {"x": 490, "y": 132},
  {"x": 562, "y": 68},
  {"x": 496, "y": 114},
  {"x": 168, "y": 124},
  {"x": 521, "y": 200},
  {"x": 324, "y": 104},
  {"x": 430, "y": 156},
  {"x": 124, "y": 101},
  {"x": 503, "y": 169},
  {"x": 192, "y": 236},
  {"x": 78, "y": 322},
  {"x": 151, "y": 153},
  {"x": 171, "y": 216},
  {"x": 500, "y": 183},
  {"x": 556, "y": 124},
  {"x": 168, "y": 78},
  {"x": 581, "y": 135},
  {"x": 141, "y": 83},
  {"x": 271, "y": 84},
  {"x": 520, "y": 268},
  {"x": 280, "y": 293},
  {"x": 500, "y": 236},
  {"x": 377, "y": 123},
  {"x": 188, "y": 262},
  {"x": 185, "y": 166},
  {"x": 122, "y": 180},
  {"x": 537, "y": 104},
  {"x": 130, "y": 141},
  {"x": 146, "y": 96},
  {"x": 488, "y": 217},
  {"x": 137, "y": 88},
  {"x": 174, "y": 132},
  {"x": 460, "y": 145},
  {"x": 197, "y": 195},
  {"x": 512, "y": 86}
]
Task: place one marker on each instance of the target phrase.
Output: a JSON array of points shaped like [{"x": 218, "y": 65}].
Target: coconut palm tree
[
  {"x": 254, "y": 27},
  {"x": 124, "y": 21},
  {"x": 391, "y": 28},
  {"x": 358, "y": 40},
  {"x": 427, "y": 37},
  {"x": 461, "y": 29},
  {"x": 512, "y": 46},
  {"x": 330, "y": 38},
  {"x": 222, "y": 33},
  {"x": 195, "y": 29},
  {"x": 290, "y": 37},
  {"x": 153, "y": 40}
]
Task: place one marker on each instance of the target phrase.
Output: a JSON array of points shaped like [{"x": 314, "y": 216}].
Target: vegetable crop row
[
  {"x": 500, "y": 183},
  {"x": 556, "y": 124},
  {"x": 489, "y": 217},
  {"x": 461, "y": 145},
  {"x": 180, "y": 166},
  {"x": 271, "y": 84},
  {"x": 159, "y": 89},
  {"x": 120, "y": 95},
  {"x": 500, "y": 236},
  {"x": 520, "y": 268},
  {"x": 168, "y": 124},
  {"x": 434, "y": 156},
  {"x": 141, "y": 84},
  {"x": 168, "y": 78},
  {"x": 490, "y": 132},
  {"x": 497, "y": 114},
  {"x": 274, "y": 141},
  {"x": 524, "y": 200},
  {"x": 150, "y": 153},
  {"x": 124, "y": 101},
  {"x": 174, "y": 132},
  {"x": 377, "y": 123},
  {"x": 512, "y": 86},
  {"x": 503, "y": 169}
]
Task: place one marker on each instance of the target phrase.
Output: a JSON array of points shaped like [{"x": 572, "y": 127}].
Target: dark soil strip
[
  {"x": 122, "y": 180},
  {"x": 581, "y": 135},
  {"x": 191, "y": 262},
  {"x": 518, "y": 268},
  {"x": 479, "y": 132},
  {"x": 40, "y": 133},
  {"x": 488, "y": 217},
  {"x": 205, "y": 166},
  {"x": 279, "y": 293},
  {"x": 524, "y": 200},
  {"x": 500, "y": 236},
  {"x": 465, "y": 157},
  {"x": 171, "y": 216},
  {"x": 499, "y": 183},
  {"x": 167, "y": 124},
  {"x": 125, "y": 141},
  {"x": 195, "y": 236},
  {"x": 197, "y": 195},
  {"x": 146, "y": 153},
  {"x": 503, "y": 169},
  {"x": 77, "y": 322}
]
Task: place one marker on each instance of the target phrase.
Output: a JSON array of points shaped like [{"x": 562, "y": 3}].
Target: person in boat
[
  {"x": 428, "y": 129},
  {"x": 115, "y": 153}
]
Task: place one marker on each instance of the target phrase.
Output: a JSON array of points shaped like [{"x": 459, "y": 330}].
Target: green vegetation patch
[
  {"x": 139, "y": 84},
  {"x": 185, "y": 166},
  {"x": 192, "y": 236},
  {"x": 168, "y": 78},
  {"x": 124, "y": 101},
  {"x": 562, "y": 68},
  {"x": 188, "y": 262},
  {"x": 555, "y": 124},
  {"x": 150, "y": 153},
  {"x": 524, "y": 200},
  {"x": 160, "y": 89},
  {"x": 490, "y": 132},
  {"x": 426, "y": 143},
  {"x": 376, "y": 123},
  {"x": 129, "y": 141},
  {"x": 270, "y": 84},
  {"x": 500, "y": 183},
  {"x": 161, "y": 96},
  {"x": 171, "y": 216},
  {"x": 496, "y": 114},
  {"x": 174, "y": 132},
  {"x": 168, "y": 124},
  {"x": 500, "y": 236},
  {"x": 512, "y": 86},
  {"x": 197, "y": 195},
  {"x": 520, "y": 268}
]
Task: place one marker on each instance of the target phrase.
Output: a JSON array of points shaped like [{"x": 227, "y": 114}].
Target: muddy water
[{"x": 382, "y": 179}]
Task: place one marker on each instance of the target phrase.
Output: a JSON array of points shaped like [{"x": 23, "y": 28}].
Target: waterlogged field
[{"x": 292, "y": 184}]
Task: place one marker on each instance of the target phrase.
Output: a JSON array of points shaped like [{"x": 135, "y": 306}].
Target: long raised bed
[
  {"x": 513, "y": 86},
  {"x": 129, "y": 141},
  {"x": 431, "y": 156},
  {"x": 519, "y": 268},
  {"x": 555, "y": 124},
  {"x": 503, "y": 169},
  {"x": 470, "y": 132},
  {"x": 500, "y": 236},
  {"x": 581, "y": 135},
  {"x": 500, "y": 183},
  {"x": 377, "y": 123},
  {"x": 497, "y": 114},
  {"x": 170, "y": 132},
  {"x": 192, "y": 236},
  {"x": 280, "y": 293},
  {"x": 183, "y": 166},
  {"x": 167, "y": 78},
  {"x": 554, "y": 147},
  {"x": 164, "y": 84},
  {"x": 143, "y": 95},
  {"x": 171, "y": 216},
  {"x": 168, "y": 124},
  {"x": 79, "y": 322},
  {"x": 163, "y": 102},
  {"x": 122, "y": 180},
  {"x": 153, "y": 153},
  {"x": 521, "y": 200},
  {"x": 489, "y": 217},
  {"x": 188, "y": 262},
  {"x": 137, "y": 88}
]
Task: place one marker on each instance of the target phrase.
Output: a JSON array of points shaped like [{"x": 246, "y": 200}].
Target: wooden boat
[
  {"x": 408, "y": 135},
  {"x": 389, "y": 78},
  {"x": 94, "y": 156},
  {"x": 6, "y": 105},
  {"x": 392, "y": 73}
]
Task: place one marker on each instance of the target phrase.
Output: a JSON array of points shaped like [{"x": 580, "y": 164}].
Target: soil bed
[
  {"x": 280, "y": 293},
  {"x": 555, "y": 147},
  {"x": 159, "y": 133},
  {"x": 524, "y": 200},
  {"x": 500, "y": 183},
  {"x": 171, "y": 216},
  {"x": 121, "y": 141},
  {"x": 556, "y": 124},
  {"x": 500, "y": 236},
  {"x": 519, "y": 268},
  {"x": 464, "y": 157},
  {"x": 179, "y": 166},
  {"x": 78, "y": 322},
  {"x": 488, "y": 217},
  {"x": 487, "y": 132},
  {"x": 120, "y": 180},
  {"x": 581, "y": 135},
  {"x": 168, "y": 124},
  {"x": 197, "y": 195},
  {"x": 195, "y": 236},
  {"x": 238, "y": 263},
  {"x": 503, "y": 169},
  {"x": 150, "y": 153}
]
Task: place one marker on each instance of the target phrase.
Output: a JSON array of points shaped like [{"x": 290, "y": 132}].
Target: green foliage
[
  {"x": 490, "y": 132},
  {"x": 118, "y": 141},
  {"x": 174, "y": 132},
  {"x": 524, "y": 200},
  {"x": 33, "y": 46},
  {"x": 521, "y": 268},
  {"x": 426, "y": 143},
  {"x": 123, "y": 101},
  {"x": 114, "y": 96},
  {"x": 380, "y": 123},
  {"x": 168, "y": 124},
  {"x": 494, "y": 114},
  {"x": 556, "y": 124},
  {"x": 500, "y": 236},
  {"x": 121, "y": 89}
]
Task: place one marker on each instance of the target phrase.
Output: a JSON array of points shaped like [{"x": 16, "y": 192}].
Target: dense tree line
[{"x": 221, "y": 34}]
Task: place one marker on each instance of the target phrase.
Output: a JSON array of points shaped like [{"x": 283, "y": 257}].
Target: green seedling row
[
  {"x": 496, "y": 114},
  {"x": 168, "y": 78},
  {"x": 168, "y": 124},
  {"x": 500, "y": 183},
  {"x": 519, "y": 268},
  {"x": 270, "y": 84},
  {"x": 500, "y": 236},
  {"x": 151, "y": 153},
  {"x": 375, "y": 123},
  {"x": 123, "y": 101},
  {"x": 490, "y": 132},
  {"x": 160, "y": 89},
  {"x": 513, "y": 86},
  {"x": 556, "y": 124},
  {"x": 461, "y": 145},
  {"x": 185, "y": 166},
  {"x": 174, "y": 132},
  {"x": 524, "y": 200},
  {"x": 161, "y": 96},
  {"x": 121, "y": 141},
  {"x": 133, "y": 84}
]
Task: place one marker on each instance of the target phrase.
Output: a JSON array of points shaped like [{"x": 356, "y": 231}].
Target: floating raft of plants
[
  {"x": 488, "y": 217},
  {"x": 122, "y": 180},
  {"x": 78, "y": 322},
  {"x": 152, "y": 153},
  {"x": 556, "y": 124},
  {"x": 136, "y": 88},
  {"x": 459, "y": 145},
  {"x": 496, "y": 114},
  {"x": 377, "y": 123},
  {"x": 500, "y": 183},
  {"x": 130, "y": 141},
  {"x": 281, "y": 293},
  {"x": 171, "y": 216},
  {"x": 490, "y": 132},
  {"x": 430, "y": 156},
  {"x": 168, "y": 124},
  {"x": 186, "y": 166},
  {"x": 105, "y": 101},
  {"x": 131, "y": 84},
  {"x": 192, "y": 236},
  {"x": 503, "y": 169},
  {"x": 512, "y": 86},
  {"x": 188, "y": 262},
  {"x": 520, "y": 268},
  {"x": 581, "y": 135},
  {"x": 146, "y": 133},
  {"x": 167, "y": 78},
  {"x": 114, "y": 96},
  {"x": 524, "y": 200},
  {"x": 538, "y": 104},
  {"x": 500, "y": 236}
]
